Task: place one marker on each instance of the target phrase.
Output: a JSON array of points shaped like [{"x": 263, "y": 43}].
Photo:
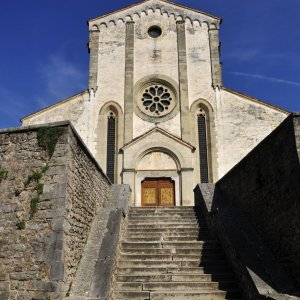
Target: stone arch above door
[
  {"x": 158, "y": 165},
  {"x": 158, "y": 140},
  {"x": 157, "y": 160}
]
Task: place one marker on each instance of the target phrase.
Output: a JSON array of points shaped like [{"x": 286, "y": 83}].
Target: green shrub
[
  {"x": 40, "y": 188},
  {"x": 21, "y": 224},
  {"x": 35, "y": 176},
  {"x": 3, "y": 174},
  {"x": 45, "y": 169},
  {"x": 47, "y": 138},
  {"x": 34, "y": 206}
]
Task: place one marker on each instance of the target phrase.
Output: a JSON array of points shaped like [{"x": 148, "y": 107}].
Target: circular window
[
  {"x": 156, "y": 100},
  {"x": 154, "y": 31}
]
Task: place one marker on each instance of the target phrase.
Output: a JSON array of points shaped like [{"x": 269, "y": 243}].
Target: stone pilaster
[
  {"x": 216, "y": 68},
  {"x": 93, "y": 49},
  {"x": 129, "y": 73},
  {"x": 183, "y": 81}
]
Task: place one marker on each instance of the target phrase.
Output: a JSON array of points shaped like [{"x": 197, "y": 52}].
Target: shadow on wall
[{"x": 255, "y": 212}]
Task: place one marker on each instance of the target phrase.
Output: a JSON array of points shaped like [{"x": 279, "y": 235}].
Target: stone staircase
[{"x": 167, "y": 253}]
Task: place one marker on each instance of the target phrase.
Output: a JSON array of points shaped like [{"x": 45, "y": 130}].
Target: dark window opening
[
  {"x": 154, "y": 31},
  {"x": 202, "y": 136},
  {"x": 111, "y": 146}
]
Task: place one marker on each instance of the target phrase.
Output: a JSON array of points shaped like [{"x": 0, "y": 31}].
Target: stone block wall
[
  {"x": 87, "y": 192},
  {"x": 47, "y": 204},
  {"x": 265, "y": 185}
]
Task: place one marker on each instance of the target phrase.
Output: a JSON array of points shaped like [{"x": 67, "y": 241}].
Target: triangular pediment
[
  {"x": 161, "y": 132},
  {"x": 144, "y": 8}
]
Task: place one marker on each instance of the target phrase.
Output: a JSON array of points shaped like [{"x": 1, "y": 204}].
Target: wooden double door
[{"x": 158, "y": 192}]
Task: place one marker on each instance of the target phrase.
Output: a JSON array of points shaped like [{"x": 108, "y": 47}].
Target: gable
[
  {"x": 148, "y": 7},
  {"x": 157, "y": 134}
]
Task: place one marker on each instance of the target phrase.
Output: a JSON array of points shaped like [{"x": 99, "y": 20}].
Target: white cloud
[
  {"x": 243, "y": 54},
  {"x": 268, "y": 78},
  {"x": 61, "y": 78}
]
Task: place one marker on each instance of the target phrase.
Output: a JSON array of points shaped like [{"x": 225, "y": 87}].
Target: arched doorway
[
  {"x": 158, "y": 192},
  {"x": 157, "y": 180}
]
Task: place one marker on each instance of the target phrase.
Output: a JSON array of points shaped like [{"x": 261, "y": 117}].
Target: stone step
[
  {"x": 161, "y": 235},
  {"x": 164, "y": 215},
  {"x": 169, "y": 245},
  {"x": 170, "y": 251},
  {"x": 163, "y": 226},
  {"x": 213, "y": 271},
  {"x": 169, "y": 223},
  {"x": 203, "y": 237},
  {"x": 166, "y": 230},
  {"x": 209, "y": 244},
  {"x": 128, "y": 295},
  {"x": 170, "y": 277},
  {"x": 172, "y": 257},
  {"x": 159, "y": 208},
  {"x": 172, "y": 264},
  {"x": 196, "y": 295},
  {"x": 173, "y": 286},
  {"x": 190, "y": 295},
  {"x": 166, "y": 223},
  {"x": 166, "y": 218}
]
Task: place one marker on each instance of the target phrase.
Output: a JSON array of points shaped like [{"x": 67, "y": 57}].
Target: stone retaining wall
[
  {"x": 47, "y": 204},
  {"x": 265, "y": 185}
]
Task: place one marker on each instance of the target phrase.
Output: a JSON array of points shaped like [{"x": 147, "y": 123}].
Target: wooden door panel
[
  {"x": 166, "y": 196},
  {"x": 158, "y": 192},
  {"x": 149, "y": 196}
]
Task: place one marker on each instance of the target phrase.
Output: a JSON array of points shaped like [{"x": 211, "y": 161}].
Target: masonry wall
[
  {"x": 87, "y": 192},
  {"x": 45, "y": 211},
  {"x": 241, "y": 123},
  {"x": 265, "y": 184},
  {"x": 74, "y": 109}
]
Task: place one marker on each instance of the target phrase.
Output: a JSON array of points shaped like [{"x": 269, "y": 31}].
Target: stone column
[
  {"x": 93, "y": 50},
  {"x": 216, "y": 68},
  {"x": 187, "y": 176},
  {"x": 129, "y": 178},
  {"x": 183, "y": 81},
  {"x": 129, "y": 72}
]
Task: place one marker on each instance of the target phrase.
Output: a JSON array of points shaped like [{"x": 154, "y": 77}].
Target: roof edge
[
  {"x": 253, "y": 99},
  {"x": 141, "y": 2},
  {"x": 53, "y": 105},
  {"x": 163, "y": 131}
]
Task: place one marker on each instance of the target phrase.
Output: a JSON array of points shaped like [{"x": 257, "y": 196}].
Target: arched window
[
  {"x": 203, "y": 145},
  {"x": 109, "y": 139},
  {"x": 111, "y": 146}
]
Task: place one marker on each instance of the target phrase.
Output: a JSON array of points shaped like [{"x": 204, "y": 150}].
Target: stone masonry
[{"x": 47, "y": 205}]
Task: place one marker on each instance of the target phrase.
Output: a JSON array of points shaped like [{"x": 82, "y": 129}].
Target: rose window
[{"x": 157, "y": 100}]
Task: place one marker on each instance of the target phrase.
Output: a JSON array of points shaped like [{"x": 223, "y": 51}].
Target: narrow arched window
[
  {"x": 203, "y": 153},
  {"x": 111, "y": 147}
]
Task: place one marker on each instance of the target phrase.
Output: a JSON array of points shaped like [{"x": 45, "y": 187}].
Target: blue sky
[{"x": 44, "y": 58}]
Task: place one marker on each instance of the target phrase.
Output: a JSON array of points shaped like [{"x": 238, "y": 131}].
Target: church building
[
  {"x": 155, "y": 114},
  {"x": 156, "y": 182}
]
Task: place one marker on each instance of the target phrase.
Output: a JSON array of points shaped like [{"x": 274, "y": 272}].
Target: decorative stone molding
[{"x": 152, "y": 8}]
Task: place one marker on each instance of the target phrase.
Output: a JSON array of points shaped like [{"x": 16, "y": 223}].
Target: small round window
[{"x": 154, "y": 31}]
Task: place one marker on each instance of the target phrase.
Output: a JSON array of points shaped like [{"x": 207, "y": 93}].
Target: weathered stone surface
[
  {"x": 99, "y": 254},
  {"x": 40, "y": 256},
  {"x": 125, "y": 60},
  {"x": 254, "y": 210}
]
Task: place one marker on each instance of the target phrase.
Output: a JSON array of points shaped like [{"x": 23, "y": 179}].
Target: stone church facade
[
  {"x": 156, "y": 115},
  {"x": 155, "y": 183}
]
